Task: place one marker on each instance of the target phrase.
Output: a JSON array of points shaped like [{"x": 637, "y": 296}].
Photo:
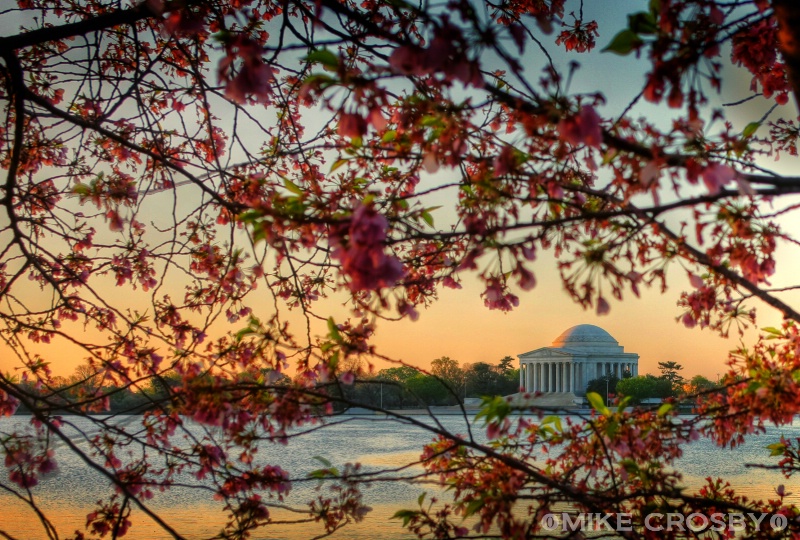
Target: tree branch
[{"x": 86, "y": 26}]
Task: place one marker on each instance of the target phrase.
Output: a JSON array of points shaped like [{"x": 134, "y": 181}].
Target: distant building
[{"x": 577, "y": 356}]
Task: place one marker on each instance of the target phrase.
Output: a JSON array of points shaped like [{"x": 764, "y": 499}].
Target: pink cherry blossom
[
  {"x": 352, "y": 125},
  {"x": 430, "y": 162},
  {"x": 716, "y": 175},
  {"x": 408, "y": 60},
  {"x": 527, "y": 280},
  {"x": 603, "y": 306},
  {"x": 583, "y": 128},
  {"x": 359, "y": 245},
  {"x": 496, "y": 296},
  {"x": 254, "y": 77}
]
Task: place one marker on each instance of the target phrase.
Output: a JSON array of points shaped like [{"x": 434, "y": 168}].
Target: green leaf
[
  {"x": 223, "y": 36},
  {"x": 322, "y": 460},
  {"x": 776, "y": 449},
  {"x": 771, "y": 330},
  {"x": 338, "y": 163},
  {"x": 664, "y": 409},
  {"x": 426, "y": 214},
  {"x": 495, "y": 407},
  {"x": 333, "y": 362},
  {"x": 473, "y": 507},
  {"x": 324, "y": 57},
  {"x": 612, "y": 428},
  {"x": 291, "y": 186},
  {"x": 609, "y": 157},
  {"x": 655, "y": 7},
  {"x": 405, "y": 515},
  {"x": 553, "y": 419},
  {"x": 333, "y": 331},
  {"x": 597, "y": 402},
  {"x": 623, "y": 403},
  {"x": 321, "y": 79},
  {"x": 642, "y": 23},
  {"x": 249, "y": 216},
  {"x": 429, "y": 120},
  {"x": 80, "y": 189},
  {"x": 624, "y": 42},
  {"x": 327, "y": 472},
  {"x": 319, "y": 474},
  {"x": 389, "y": 136},
  {"x": 750, "y": 129}
]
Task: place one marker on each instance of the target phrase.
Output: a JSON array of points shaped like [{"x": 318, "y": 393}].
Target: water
[{"x": 69, "y": 494}]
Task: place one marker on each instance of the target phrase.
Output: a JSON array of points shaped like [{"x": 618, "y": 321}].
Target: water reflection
[{"x": 69, "y": 494}]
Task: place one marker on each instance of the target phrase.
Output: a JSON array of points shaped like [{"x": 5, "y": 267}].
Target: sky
[
  {"x": 461, "y": 327},
  {"x": 458, "y": 325}
]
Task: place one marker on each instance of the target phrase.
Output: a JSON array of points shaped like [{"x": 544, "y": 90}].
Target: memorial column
[
  {"x": 560, "y": 377},
  {"x": 572, "y": 367},
  {"x": 529, "y": 377}
]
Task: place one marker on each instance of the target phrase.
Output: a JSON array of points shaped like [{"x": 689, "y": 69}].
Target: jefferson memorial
[{"x": 577, "y": 356}]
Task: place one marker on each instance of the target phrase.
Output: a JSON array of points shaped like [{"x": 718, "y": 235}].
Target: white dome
[{"x": 585, "y": 335}]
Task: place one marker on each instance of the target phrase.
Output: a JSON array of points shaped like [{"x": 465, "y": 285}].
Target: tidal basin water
[{"x": 67, "y": 495}]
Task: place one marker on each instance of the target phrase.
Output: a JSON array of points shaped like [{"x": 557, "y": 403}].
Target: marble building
[{"x": 577, "y": 356}]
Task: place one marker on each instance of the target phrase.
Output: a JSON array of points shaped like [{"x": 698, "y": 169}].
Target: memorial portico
[{"x": 577, "y": 356}]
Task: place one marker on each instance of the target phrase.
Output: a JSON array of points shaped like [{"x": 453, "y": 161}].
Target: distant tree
[
  {"x": 670, "y": 372},
  {"x": 86, "y": 377},
  {"x": 604, "y": 386},
  {"x": 365, "y": 391},
  {"x": 643, "y": 387},
  {"x": 163, "y": 384},
  {"x": 512, "y": 381},
  {"x": 482, "y": 379},
  {"x": 699, "y": 384},
  {"x": 396, "y": 391},
  {"x": 451, "y": 374},
  {"x": 400, "y": 374},
  {"x": 429, "y": 390},
  {"x": 506, "y": 364}
]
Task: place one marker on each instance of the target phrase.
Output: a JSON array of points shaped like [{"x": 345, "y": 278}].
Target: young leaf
[
  {"x": 624, "y": 42},
  {"x": 750, "y": 129},
  {"x": 324, "y": 57},
  {"x": 291, "y": 186},
  {"x": 597, "y": 402}
]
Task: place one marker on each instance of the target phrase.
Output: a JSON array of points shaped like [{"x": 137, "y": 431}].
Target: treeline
[
  {"x": 446, "y": 383},
  {"x": 670, "y": 383},
  {"x": 86, "y": 391}
]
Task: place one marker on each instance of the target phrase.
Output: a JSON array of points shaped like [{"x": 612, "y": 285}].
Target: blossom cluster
[{"x": 359, "y": 244}]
